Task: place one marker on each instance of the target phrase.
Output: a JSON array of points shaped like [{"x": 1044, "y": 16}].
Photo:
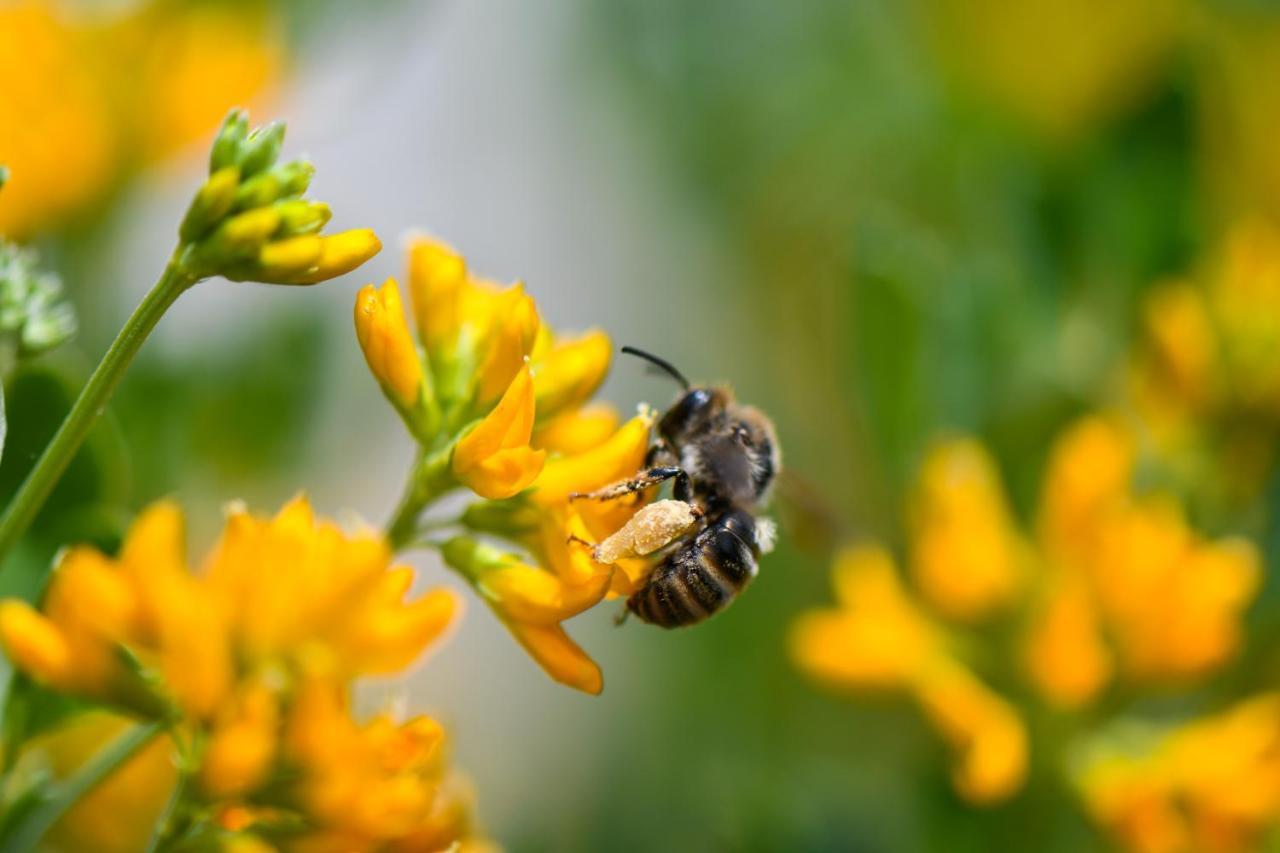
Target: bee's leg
[{"x": 640, "y": 482}]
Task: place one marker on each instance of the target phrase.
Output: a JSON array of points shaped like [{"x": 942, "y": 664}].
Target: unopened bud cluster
[
  {"x": 34, "y": 316},
  {"x": 250, "y": 222}
]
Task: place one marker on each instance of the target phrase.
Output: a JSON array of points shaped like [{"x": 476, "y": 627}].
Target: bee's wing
[{"x": 809, "y": 520}]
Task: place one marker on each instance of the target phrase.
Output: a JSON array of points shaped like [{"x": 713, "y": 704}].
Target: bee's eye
[{"x": 742, "y": 436}]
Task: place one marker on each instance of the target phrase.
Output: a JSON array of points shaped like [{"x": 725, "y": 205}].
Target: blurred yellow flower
[
  {"x": 1212, "y": 784},
  {"x": 966, "y": 556},
  {"x": 250, "y": 663},
  {"x": 876, "y": 638},
  {"x": 87, "y": 95}
]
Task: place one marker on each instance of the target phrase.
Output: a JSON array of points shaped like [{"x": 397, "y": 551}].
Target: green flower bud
[
  {"x": 213, "y": 201},
  {"x": 295, "y": 177},
  {"x": 227, "y": 144},
  {"x": 258, "y": 191},
  {"x": 298, "y": 216},
  {"x": 260, "y": 150},
  {"x": 34, "y": 317}
]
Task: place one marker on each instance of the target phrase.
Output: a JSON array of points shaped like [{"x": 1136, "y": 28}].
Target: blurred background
[{"x": 881, "y": 222}]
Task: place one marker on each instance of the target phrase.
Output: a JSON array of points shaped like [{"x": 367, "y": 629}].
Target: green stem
[
  {"x": 67, "y": 793},
  {"x": 89, "y": 406},
  {"x": 432, "y": 477}
]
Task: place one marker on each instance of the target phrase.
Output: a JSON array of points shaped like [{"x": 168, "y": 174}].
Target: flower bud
[
  {"x": 298, "y": 216},
  {"x": 340, "y": 254},
  {"x": 212, "y": 202},
  {"x": 226, "y": 145},
  {"x": 283, "y": 259},
  {"x": 261, "y": 148},
  {"x": 388, "y": 346}
]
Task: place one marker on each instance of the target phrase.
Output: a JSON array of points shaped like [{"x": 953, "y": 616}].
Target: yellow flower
[
  {"x": 437, "y": 276},
  {"x": 494, "y": 458},
  {"x": 1172, "y": 602},
  {"x": 966, "y": 555},
  {"x": 532, "y": 601},
  {"x": 1212, "y": 784},
  {"x": 294, "y": 585},
  {"x": 251, "y": 662},
  {"x": 87, "y": 97},
  {"x": 876, "y": 638},
  {"x": 193, "y": 64},
  {"x": 57, "y": 133},
  {"x": 367, "y": 785},
  {"x": 513, "y": 327},
  {"x": 388, "y": 347},
  {"x": 1087, "y": 474}
]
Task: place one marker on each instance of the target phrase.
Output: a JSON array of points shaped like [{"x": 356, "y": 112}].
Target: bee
[{"x": 722, "y": 458}]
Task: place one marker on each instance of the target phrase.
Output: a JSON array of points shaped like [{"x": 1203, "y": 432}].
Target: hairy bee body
[{"x": 703, "y": 575}]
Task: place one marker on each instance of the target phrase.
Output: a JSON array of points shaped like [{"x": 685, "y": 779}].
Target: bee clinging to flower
[{"x": 722, "y": 458}]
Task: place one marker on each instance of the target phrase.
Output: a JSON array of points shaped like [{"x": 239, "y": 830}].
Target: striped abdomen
[{"x": 703, "y": 576}]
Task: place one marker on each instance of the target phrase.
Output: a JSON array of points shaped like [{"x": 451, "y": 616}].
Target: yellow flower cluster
[
  {"x": 1204, "y": 378},
  {"x": 1111, "y": 587},
  {"x": 499, "y": 405},
  {"x": 250, "y": 662},
  {"x": 86, "y": 95},
  {"x": 1210, "y": 785}
]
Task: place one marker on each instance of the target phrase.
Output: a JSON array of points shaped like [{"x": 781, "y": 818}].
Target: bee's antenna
[{"x": 664, "y": 365}]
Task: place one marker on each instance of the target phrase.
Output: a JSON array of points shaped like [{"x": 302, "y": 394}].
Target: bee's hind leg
[{"x": 640, "y": 482}]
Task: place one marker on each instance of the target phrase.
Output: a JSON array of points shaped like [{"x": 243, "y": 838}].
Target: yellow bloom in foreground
[
  {"x": 494, "y": 458},
  {"x": 876, "y": 638},
  {"x": 966, "y": 556},
  {"x": 1212, "y": 784},
  {"x": 388, "y": 346},
  {"x": 251, "y": 662}
]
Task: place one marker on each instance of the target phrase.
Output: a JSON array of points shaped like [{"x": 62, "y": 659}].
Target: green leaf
[{"x": 4, "y": 423}]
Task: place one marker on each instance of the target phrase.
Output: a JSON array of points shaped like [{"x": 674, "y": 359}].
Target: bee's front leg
[{"x": 640, "y": 482}]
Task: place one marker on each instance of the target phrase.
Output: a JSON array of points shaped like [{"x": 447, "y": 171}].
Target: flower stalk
[{"x": 39, "y": 483}]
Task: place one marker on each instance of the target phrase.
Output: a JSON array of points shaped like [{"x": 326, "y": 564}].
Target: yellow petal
[
  {"x": 436, "y": 277},
  {"x": 242, "y": 744},
  {"x": 386, "y": 635},
  {"x": 512, "y": 332},
  {"x": 576, "y": 431},
  {"x": 966, "y": 555},
  {"x": 567, "y": 375},
  {"x": 984, "y": 731},
  {"x": 341, "y": 253},
  {"x": 559, "y": 656},
  {"x": 388, "y": 346},
  {"x": 1065, "y": 654},
  {"x": 621, "y": 456},
  {"x": 33, "y": 643},
  {"x": 283, "y": 259},
  {"x": 494, "y": 458},
  {"x": 529, "y": 594}
]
